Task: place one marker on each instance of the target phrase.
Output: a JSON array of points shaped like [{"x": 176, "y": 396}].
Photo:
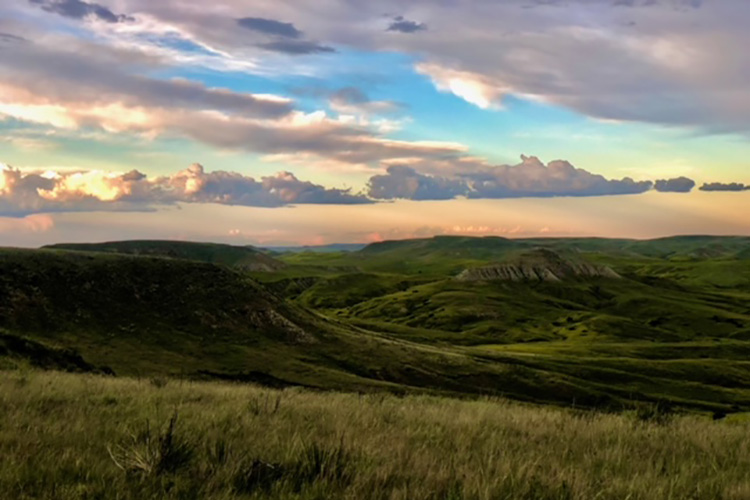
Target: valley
[{"x": 608, "y": 324}]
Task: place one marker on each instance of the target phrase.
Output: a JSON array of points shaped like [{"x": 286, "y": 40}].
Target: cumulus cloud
[
  {"x": 23, "y": 193},
  {"x": 77, "y": 9},
  {"x": 677, "y": 185},
  {"x": 530, "y": 178},
  {"x": 406, "y": 183},
  {"x": 719, "y": 186}
]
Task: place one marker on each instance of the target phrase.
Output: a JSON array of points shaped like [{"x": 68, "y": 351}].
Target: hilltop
[
  {"x": 242, "y": 257},
  {"x": 450, "y": 255}
]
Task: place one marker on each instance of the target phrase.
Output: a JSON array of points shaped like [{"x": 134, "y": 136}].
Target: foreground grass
[{"x": 65, "y": 436}]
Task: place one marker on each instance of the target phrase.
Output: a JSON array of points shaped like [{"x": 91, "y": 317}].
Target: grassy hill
[
  {"x": 147, "y": 316},
  {"x": 673, "y": 325},
  {"x": 447, "y": 255},
  {"x": 676, "y": 322},
  {"x": 247, "y": 258}
]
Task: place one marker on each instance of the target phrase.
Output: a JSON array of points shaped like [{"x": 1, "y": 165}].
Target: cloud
[
  {"x": 406, "y": 183},
  {"x": 270, "y": 27},
  {"x": 530, "y": 178},
  {"x": 719, "y": 186},
  {"x": 402, "y": 25},
  {"x": 297, "y": 47},
  {"x": 288, "y": 37},
  {"x": 77, "y": 9},
  {"x": 676, "y": 4},
  {"x": 677, "y": 185},
  {"x": 353, "y": 100},
  {"x": 102, "y": 78},
  {"x": 23, "y": 193},
  {"x": 474, "y": 88},
  {"x": 9, "y": 39},
  {"x": 653, "y": 61},
  {"x": 55, "y": 86},
  {"x": 257, "y": 124}
]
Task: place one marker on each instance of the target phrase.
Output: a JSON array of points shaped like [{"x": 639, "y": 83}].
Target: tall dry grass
[{"x": 86, "y": 437}]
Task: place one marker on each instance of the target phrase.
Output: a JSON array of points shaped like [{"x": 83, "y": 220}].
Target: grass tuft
[{"x": 151, "y": 453}]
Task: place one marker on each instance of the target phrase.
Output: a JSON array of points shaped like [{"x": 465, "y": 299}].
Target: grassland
[
  {"x": 383, "y": 375},
  {"x": 78, "y": 436},
  {"x": 675, "y": 328}
]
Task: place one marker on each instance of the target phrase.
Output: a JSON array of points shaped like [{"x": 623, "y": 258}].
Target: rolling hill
[
  {"x": 147, "y": 316},
  {"x": 624, "y": 321},
  {"x": 244, "y": 257}
]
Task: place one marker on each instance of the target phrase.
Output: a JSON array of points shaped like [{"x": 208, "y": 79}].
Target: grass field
[
  {"x": 78, "y": 436},
  {"x": 384, "y": 375}
]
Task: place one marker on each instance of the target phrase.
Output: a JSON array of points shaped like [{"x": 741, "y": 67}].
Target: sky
[{"x": 290, "y": 122}]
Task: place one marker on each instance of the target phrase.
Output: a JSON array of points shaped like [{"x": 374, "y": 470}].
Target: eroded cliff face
[{"x": 538, "y": 265}]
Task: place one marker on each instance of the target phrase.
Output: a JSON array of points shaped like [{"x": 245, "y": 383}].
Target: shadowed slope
[{"x": 246, "y": 258}]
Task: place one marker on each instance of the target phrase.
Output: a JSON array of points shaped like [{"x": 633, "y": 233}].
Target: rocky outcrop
[{"x": 538, "y": 265}]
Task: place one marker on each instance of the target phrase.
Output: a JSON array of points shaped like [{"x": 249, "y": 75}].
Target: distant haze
[{"x": 632, "y": 216}]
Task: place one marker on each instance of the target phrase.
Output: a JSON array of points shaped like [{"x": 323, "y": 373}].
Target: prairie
[{"x": 72, "y": 436}]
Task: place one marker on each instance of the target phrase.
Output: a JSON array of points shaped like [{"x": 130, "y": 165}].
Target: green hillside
[
  {"x": 450, "y": 254},
  {"x": 623, "y": 321},
  {"x": 135, "y": 315}
]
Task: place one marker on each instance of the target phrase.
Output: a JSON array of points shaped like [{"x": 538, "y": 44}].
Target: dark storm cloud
[{"x": 677, "y": 185}]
